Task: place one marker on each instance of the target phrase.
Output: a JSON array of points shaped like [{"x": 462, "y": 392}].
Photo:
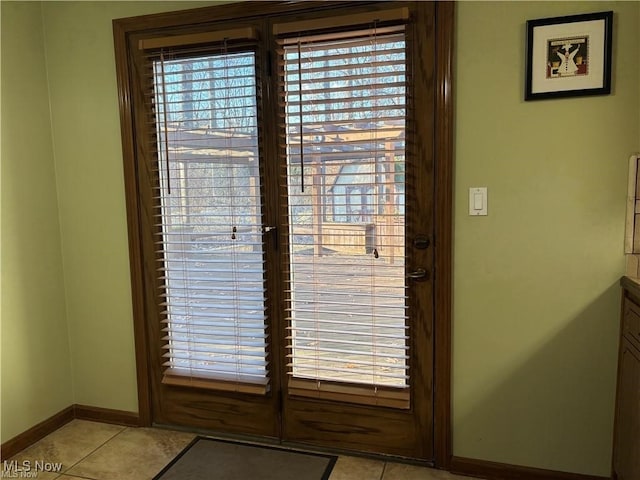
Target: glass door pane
[
  {"x": 345, "y": 125},
  {"x": 211, "y": 218}
]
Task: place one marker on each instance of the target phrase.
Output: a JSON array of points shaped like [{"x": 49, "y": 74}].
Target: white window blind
[
  {"x": 209, "y": 222},
  {"x": 345, "y": 114}
]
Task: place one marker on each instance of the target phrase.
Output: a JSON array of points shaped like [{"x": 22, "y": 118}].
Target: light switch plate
[{"x": 478, "y": 201}]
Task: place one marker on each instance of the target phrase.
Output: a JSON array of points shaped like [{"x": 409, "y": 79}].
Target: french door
[{"x": 284, "y": 205}]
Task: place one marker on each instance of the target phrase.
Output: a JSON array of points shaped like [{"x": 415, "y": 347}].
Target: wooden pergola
[{"x": 326, "y": 150}]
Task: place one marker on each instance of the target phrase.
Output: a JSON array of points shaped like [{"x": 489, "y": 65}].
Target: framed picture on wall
[{"x": 568, "y": 56}]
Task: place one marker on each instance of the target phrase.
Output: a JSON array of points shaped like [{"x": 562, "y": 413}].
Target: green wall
[
  {"x": 36, "y": 373},
  {"x": 535, "y": 293},
  {"x": 536, "y": 281},
  {"x": 86, "y": 129}
]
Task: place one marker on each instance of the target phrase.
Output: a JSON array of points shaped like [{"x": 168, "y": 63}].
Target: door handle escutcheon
[{"x": 421, "y": 243}]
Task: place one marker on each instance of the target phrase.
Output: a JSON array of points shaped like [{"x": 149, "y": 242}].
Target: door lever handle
[
  {"x": 274, "y": 233},
  {"x": 418, "y": 274}
]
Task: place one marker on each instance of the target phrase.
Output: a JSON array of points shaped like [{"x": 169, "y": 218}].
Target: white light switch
[{"x": 478, "y": 201}]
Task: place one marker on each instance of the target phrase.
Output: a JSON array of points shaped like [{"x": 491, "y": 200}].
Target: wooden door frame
[
  {"x": 443, "y": 196},
  {"x": 443, "y": 244}
]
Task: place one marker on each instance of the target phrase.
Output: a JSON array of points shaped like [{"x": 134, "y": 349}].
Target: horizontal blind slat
[
  {"x": 401, "y": 13},
  {"x": 196, "y": 38}
]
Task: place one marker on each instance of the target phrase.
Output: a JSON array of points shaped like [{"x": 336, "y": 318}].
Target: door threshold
[{"x": 299, "y": 446}]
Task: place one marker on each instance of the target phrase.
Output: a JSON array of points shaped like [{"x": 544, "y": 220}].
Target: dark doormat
[{"x": 210, "y": 459}]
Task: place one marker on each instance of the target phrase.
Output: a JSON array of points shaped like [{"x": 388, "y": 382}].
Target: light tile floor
[{"x": 98, "y": 451}]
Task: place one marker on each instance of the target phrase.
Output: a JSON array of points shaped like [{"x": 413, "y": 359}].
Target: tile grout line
[
  {"x": 73, "y": 476},
  {"x": 384, "y": 467},
  {"x": 92, "y": 452}
]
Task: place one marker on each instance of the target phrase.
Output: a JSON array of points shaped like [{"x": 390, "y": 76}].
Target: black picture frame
[{"x": 568, "y": 56}]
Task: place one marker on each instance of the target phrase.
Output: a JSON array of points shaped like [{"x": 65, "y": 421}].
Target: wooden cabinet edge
[{"x": 630, "y": 293}]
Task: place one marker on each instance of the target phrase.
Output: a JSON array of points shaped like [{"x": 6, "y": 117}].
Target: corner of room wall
[
  {"x": 36, "y": 376},
  {"x": 536, "y": 292},
  {"x": 88, "y": 160}
]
